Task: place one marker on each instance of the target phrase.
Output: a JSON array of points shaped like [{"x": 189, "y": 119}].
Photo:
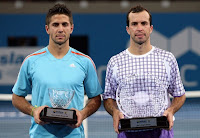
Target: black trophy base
[
  {"x": 144, "y": 123},
  {"x": 58, "y": 116}
]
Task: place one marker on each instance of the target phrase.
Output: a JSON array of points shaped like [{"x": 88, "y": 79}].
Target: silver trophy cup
[
  {"x": 142, "y": 99},
  {"x": 60, "y": 99}
]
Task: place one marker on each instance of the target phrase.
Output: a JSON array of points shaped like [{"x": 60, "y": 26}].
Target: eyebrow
[
  {"x": 59, "y": 23},
  {"x": 142, "y": 22}
]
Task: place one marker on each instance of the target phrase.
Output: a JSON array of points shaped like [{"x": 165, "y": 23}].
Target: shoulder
[
  {"x": 34, "y": 56},
  {"x": 83, "y": 58},
  {"x": 117, "y": 58},
  {"x": 166, "y": 55},
  {"x": 80, "y": 55}
]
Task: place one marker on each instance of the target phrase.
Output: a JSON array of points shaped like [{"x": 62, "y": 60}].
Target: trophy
[
  {"x": 60, "y": 100},
  {"x": 142, "y": 98}
]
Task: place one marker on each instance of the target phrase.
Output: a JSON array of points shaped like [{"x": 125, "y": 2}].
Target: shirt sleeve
[
  {"x": 91, "y": 82},
  {"x": 110, "y": 81},
  {"x": 23, "y": 82},
  {"x": 176, "y": 88}
]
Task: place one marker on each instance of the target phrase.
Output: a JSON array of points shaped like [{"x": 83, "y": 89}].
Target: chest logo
[{"x": 72, "y": 65}]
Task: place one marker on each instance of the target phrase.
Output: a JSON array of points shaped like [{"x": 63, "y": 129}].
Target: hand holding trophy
[
  {"x": 142, "y": 98},
  {"x": 60, "y": 100}
]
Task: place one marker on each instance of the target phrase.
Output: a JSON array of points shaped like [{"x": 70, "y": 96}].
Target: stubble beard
[
  {"x": 139, "y": 42},
  {"x": 60, "y": 42}
]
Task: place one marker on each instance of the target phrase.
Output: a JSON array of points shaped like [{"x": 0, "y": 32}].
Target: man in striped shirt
[{"x": 140, "y": 60}]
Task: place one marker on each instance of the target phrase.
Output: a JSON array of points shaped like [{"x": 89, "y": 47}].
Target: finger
[
  {"x": 79, "y": 118},
  {"x": 121, "y": 116},
  {"x": 71, "y": 125},
  {"x": 165, "y": 114},
  {"x": 42, "y": 123},
  {"x": 171, "y": 123},
  {"x": 115, "y": 125},
  {"x": 77, "y": 125},
  {"x": 116, "y": 129}
]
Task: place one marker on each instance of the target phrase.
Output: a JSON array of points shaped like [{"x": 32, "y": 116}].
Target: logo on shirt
[{"x": 72, "y": 65}]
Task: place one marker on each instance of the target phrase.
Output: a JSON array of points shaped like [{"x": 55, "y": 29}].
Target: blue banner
[{"x": 175, "y": 32}]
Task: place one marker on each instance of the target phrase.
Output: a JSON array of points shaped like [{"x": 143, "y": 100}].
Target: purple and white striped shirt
[{"x": 162, "y": 64}]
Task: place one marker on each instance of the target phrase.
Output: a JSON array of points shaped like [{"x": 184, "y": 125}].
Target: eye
[
  {"x": 55, "y": 24},
  {"x": 144, "y": 23},
  {"x": 134, "y": 23},
  {"x": 65, "y": 24}
]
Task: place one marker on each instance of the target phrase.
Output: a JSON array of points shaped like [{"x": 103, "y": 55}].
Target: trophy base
[
  {"x": 144, "y": 123},
  {"x": 58, "y": 116}
]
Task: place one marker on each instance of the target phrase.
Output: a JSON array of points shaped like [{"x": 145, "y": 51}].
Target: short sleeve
[
  {"x": 91, "y": 82},
  {"x": 23, "y": 82},
  {"x": 176, "y": 88},
  {"x": 110, "y": 81}
]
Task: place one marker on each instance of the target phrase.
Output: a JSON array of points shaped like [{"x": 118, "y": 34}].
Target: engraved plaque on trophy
[{"x": 58, "y": 114}]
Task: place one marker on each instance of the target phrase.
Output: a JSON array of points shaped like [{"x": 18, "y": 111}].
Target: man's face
[
  {"x": 139, "y": 27},
  {"x": 59, "y": 29}
]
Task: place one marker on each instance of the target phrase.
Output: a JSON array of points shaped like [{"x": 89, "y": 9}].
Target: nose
[
  {"x": 139, "y": 27},
  {"x": 60, "y": 29}
]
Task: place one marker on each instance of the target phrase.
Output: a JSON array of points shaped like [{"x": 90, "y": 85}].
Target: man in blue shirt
[{"x": 57, "y": 66}]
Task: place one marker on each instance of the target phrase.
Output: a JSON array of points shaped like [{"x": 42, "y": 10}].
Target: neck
[
  {"x": 138, "y": 49},
  {"x": 58, "y": 51}
]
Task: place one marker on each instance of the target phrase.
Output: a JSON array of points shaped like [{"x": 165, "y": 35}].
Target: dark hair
[
  {"x": 58, "y": 9},
  {"x": 138, "y": 9}
]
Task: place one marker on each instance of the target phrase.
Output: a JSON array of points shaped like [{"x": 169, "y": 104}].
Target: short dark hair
[
  {"x": 138, "y": 9},
  {"x": 58, "y": 9}
]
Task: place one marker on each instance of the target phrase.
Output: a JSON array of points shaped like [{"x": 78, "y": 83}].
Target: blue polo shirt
[{"x": 41, "y": 71}]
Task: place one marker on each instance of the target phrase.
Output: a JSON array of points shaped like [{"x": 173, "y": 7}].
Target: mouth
[
  {"x": 139, "y": 35},
  {"x": 60, "y": 36}
]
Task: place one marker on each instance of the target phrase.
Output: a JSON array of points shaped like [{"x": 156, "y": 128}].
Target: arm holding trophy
[
  {"x": 111, "y": 107},
  {"x": 177, "y": 103},
  {"x": 91, "y": 107},
  {"x": 24, "y": 106}
]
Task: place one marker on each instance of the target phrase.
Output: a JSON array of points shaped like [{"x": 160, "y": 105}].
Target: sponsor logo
[
  {"x": 57, "y": 112},
  {"x": 72, "y": 65}
]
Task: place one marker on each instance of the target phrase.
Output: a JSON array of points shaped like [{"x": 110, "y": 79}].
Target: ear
[
  {"x": 127, "y": 30},
  {"x": 72, "y": 28},
  {"x": 151, "y": 27},
  {"x": 47, "y": 29}
]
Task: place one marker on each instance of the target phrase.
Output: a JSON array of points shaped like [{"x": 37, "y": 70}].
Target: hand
[
  {"x": 169, "y": 116},
  {"x": 79, "y": 119},
  {"x": 36, "y": 115},
  {"x": 117, "y": 115}
]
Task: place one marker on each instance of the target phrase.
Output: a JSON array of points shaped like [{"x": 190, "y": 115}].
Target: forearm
[
  {"x": 177, "y": 103},
  {"x": 91, "y": 107},
  {"x": 110, "y": 105},
  {"x": 21, "y": 104}
]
